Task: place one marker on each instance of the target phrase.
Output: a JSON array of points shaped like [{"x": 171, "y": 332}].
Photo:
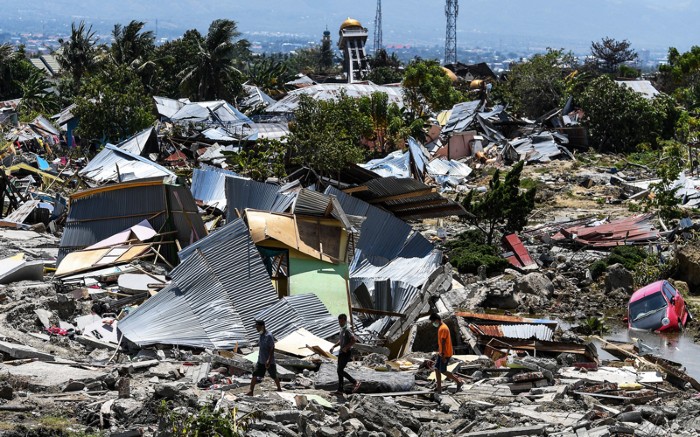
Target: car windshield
[{"x": 646, "y": 306}]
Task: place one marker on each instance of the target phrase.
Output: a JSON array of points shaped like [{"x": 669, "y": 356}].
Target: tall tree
[
  {"x": 270, "y": 75},
  {"x": 681, "y": 77},
  {"x": 619, "y": 119},
  {"x": 385, "y": 68},
  {"x": 503, "y": 206},
  {"x": 131, "y": 42},
  {"x": 427, "y": 87},
  {"x": 536, "y": 86},
  {"x": 14, "y": 69},
  {"x": 112, "y": 105},
  {"x": 212, "y": 74},
  {"x": 169, "y": 59},
  {"x": 327, "y": 135},
  {"x": 78, "y": 54},
  {"x": 612, "y": 53}
]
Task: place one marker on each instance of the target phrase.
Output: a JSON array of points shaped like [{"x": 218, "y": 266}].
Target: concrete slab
[
  {"x": 20, "y": 351},
  {"x": 46, "y": 376}
]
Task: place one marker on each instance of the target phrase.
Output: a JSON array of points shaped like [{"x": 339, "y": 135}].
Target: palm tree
[
  {"x": 77, "y": 55},
  {"x": 131, "y": 43},
  {"x": 270, "y": 76},
  {"x": 38, "y": 95},
  {"x": 7, "y": 54},
  {"x": 213, "y": 73}
]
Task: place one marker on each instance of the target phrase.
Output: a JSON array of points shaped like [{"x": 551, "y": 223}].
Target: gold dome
[
  {"x": 449, "y": 73},
  {"x": 350, "y": 22}
]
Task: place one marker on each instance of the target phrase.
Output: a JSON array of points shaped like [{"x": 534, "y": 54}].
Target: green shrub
[
  {"x": 598, "y": 268},
  {"x": 468, "y": 252}
]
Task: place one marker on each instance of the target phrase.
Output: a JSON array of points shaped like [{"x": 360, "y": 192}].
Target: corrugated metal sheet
[
  {"x": 100, "y": 213},
  {"x": 461, "y": 117},
  {"x": 535, "y": 148},
  {"x": 396, "y": 164},
  {"x": 217, "y": 290},
  {"x": 382, "y": 234},
  {"x": 209, "y": 185},
  {"x": 419, "y": 155},
  {"x": 300, "y": 311},
  {"x": 113, "y": 163},
  {"x": 616, "y": 233},
  {"x": 412, "y": 271},
  {"x": 450, "y": 172},
  {"x": 245, "y": 193},
  {"x": 522, "y": 332},
  {"x": 310, "y": 202},
  {"x": 330, "y": 91},
  {"x": 394, "y": 296}
]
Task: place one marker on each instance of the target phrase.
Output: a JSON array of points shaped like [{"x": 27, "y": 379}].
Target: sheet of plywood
[{"x": 299, "y": 343}]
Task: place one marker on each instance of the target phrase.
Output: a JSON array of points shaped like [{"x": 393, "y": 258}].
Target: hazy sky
[{"x": 646, "y": 23}]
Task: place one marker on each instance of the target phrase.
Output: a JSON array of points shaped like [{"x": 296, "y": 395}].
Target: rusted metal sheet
[
  {"x": 504, "y": 319},
  {"x": 522, "y": 256},
  {"x": 616, "y": 233},
  {"x": 524, "y": 332}
]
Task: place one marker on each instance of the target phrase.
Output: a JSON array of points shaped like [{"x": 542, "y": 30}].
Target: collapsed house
[{"x": 95, "y": 214}]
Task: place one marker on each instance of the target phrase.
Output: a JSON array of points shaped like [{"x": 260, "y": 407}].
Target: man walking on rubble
[
  {"x": 346, "y": 341},
  {"x": 445, "y": 352},
  {"x": 266, "y": 358}
]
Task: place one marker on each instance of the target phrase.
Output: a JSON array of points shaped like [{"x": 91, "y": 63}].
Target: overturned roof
[
  {"x": 99, "y": 213},
  {"x": 330, "y": 91},
  {"x": 407, "y": 198},
  {"x": 212, "y": 113},
  {"x": 115, "y": 164},
  {"x": 215, "y": 295}
]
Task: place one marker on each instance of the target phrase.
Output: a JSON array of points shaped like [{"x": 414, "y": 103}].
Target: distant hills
[{"x": 655, "y": 24}]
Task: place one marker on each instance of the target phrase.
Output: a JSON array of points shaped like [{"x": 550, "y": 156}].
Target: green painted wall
[{"x": 325, "y": 280}]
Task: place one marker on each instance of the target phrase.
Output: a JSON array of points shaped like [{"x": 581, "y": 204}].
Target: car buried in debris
[{"x": 657, "y": 307}]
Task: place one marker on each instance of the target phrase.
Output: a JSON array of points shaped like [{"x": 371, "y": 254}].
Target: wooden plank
[
  {"x": 409, "y": 195},
  {"x": 359, "y": 189}
]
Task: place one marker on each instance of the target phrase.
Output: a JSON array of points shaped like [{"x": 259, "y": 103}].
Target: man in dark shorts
[
  {"x": 346, "y": 341},
  {"x": 445, "y": 352},
  {"x": 266, "y": 358}
]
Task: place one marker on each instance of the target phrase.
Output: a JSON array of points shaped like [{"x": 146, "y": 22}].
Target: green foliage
[
  {"x": 537, "y": 86},
  {"x": 469, "y": 251},
  {"x": 263, "y": 160},
  {"x": 131, "y": 43},
  {"x": 427, "y": 87},
  {"x": 79, "y": 54},
  {"x": 633, "y": 258},
  {"x": 619, "y": 119},
  {"x": 598, "y": 268},
  {"x": 663, "y": 198},
  {"x": 390, "y": 125},
  {"x": 112, "y": 105},
  {"x": 385, "y": 68},
  {"x": 681, "y": 77},
  {"x": 654, "y": 268},
  {"x": 37, "y": 95},
  {"x": 169, "y": 60},
  {"x": 612, "y": 53},
  {"x": 211, "y": 73},
  {"x": 304, "y": 61},
  {"x": 326, "y": 135},
  {"x": 206, "y": 423},
  {"x": 593, "y": 326},
  {"x": 270, "y": 75},
  {"x": 14, "y": 70},
  {"x": 503, "y": 206}
]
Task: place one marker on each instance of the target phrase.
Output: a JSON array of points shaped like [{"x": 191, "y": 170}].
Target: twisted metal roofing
[
  {"x": 217, "y": 289},
  {"x": 242, "y": 194},
  {"x": 209, "y": 185}
]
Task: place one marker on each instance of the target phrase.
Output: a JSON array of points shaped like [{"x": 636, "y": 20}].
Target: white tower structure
[{"x": 353, "y": 38}]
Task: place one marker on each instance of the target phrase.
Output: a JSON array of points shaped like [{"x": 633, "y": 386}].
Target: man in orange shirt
[{"x": 445, "y": 352}]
